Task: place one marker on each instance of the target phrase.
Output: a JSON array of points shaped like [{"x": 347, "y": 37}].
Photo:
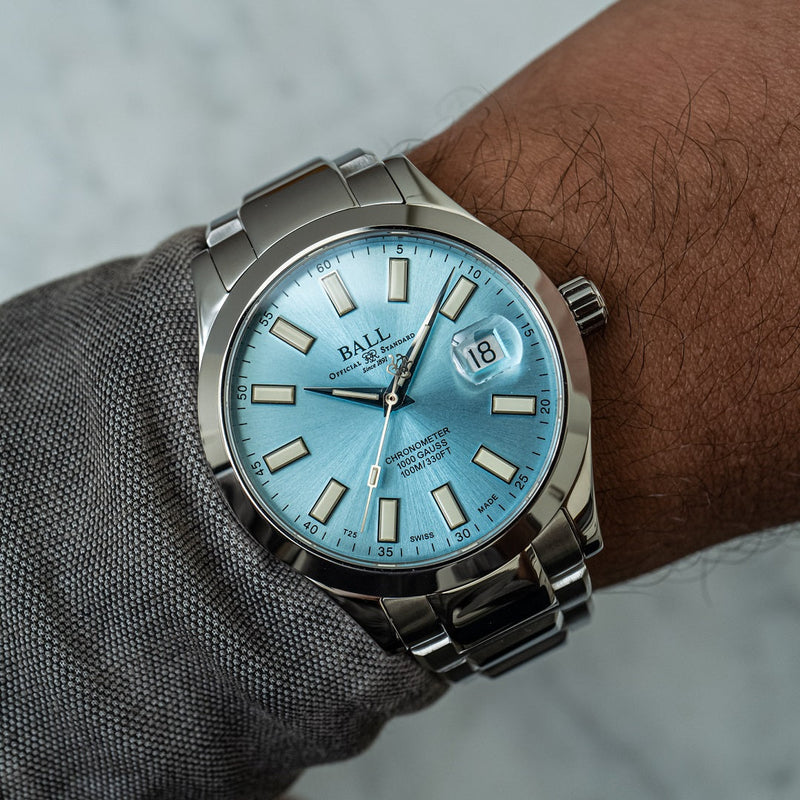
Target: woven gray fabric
[{"x": 149, "y": 648}]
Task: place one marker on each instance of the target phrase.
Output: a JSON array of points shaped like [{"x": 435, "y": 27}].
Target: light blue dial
[{"x": 393, "y": 399}]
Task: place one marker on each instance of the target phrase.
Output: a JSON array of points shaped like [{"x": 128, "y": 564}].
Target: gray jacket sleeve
[{"x": 149, "y": 648}]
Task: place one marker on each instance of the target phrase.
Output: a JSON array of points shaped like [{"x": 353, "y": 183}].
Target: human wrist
[{"x": 644, "y": 181}]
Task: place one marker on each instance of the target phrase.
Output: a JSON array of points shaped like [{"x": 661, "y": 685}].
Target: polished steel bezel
[{"x": 564, "y": 471}]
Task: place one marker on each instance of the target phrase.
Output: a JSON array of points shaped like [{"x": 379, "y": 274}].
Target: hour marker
[
  {"x": 388, "y": 518},
  {"x": 292, "y": 335},
  {"x": 272, "y": 393},
  {"x": 287, "y": 454},
  {"x": 513, "y": 404},
  {"x": 398, "y": 280},
  {"x": 327, "y": 501},
  {"x": 337, "y": 293},
  {"x": 497, "y": 465},
  {"x": 458, "y": 298},
  {"x": 448, "y": 505}
]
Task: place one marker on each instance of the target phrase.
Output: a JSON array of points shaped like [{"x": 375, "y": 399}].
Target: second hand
[
  {"x": 399, "y": 386},
  {"x": 375, "y": 470}
]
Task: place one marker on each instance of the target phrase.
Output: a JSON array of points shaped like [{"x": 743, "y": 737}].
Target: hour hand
[{"x": 367, "y": 395}]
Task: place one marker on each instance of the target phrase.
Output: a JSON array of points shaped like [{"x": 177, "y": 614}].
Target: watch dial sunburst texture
[{"x": 394, "y": 399}]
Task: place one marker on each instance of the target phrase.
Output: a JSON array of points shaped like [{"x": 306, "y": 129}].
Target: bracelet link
[{"x": 277, "y": 208}]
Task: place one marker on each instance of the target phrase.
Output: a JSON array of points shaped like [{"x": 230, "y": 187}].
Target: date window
[{"x": 486, "y": 348}]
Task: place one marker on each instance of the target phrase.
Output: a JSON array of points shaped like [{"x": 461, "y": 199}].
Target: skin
[{"x": 657, "y": 151}]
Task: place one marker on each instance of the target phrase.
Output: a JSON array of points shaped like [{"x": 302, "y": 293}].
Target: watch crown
[{"x": 586, "y": 304}]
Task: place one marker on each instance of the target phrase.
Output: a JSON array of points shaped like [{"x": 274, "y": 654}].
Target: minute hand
[{"x": 412, "y": 358}]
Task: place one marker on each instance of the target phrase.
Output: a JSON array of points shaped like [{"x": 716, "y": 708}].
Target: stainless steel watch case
[{"x": 568, "y": 486}]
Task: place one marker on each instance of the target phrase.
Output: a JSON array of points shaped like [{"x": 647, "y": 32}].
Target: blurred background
[{"x": 122, "y": 122}]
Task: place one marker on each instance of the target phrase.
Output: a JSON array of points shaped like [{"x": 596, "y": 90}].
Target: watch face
[{"x": 393, "y": 400}]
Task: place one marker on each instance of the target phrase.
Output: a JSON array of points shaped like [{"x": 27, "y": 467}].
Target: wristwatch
[{"x": 395, "y": 401}]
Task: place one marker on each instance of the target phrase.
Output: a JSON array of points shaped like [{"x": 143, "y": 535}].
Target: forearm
[{"x": 656, "y": 151}]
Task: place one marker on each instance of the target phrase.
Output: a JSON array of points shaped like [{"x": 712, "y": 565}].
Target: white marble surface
[{"x": 124, "y": 121}]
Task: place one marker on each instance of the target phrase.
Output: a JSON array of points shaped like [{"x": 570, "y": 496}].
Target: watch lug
[
  {"x": 209, "y": 293},
  {"x": 582, "y": 508},
  {"x": 235, "y": 498},
  {"x": 417, "y": 189}
]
